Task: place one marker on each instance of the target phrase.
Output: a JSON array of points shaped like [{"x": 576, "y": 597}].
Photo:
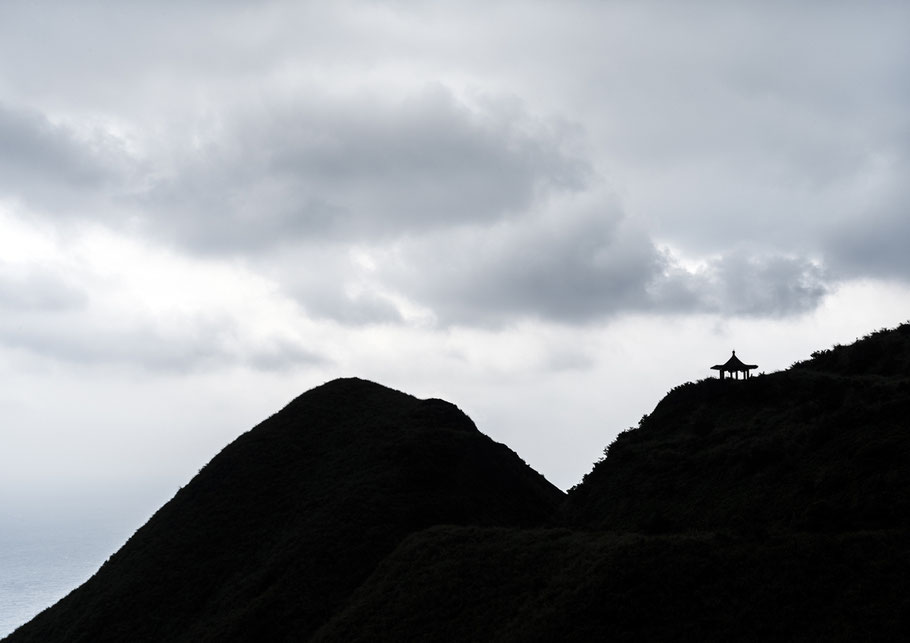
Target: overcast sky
[{"x": 548, "y": 213}]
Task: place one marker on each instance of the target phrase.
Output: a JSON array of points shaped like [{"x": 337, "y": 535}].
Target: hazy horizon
[{"x": 548, "y": 214}]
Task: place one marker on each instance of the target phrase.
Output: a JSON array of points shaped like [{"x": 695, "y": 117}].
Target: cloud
[
  {"x": 567, "y": 270},
  {"x": 873, "y": 242},
  {"x": 418, "y": 133},
  {"x": 294, "y": 188},
  {"x": 761, "y": 285},
  {"x": 29, "y": 288},
  {"x": 332, "y": 281},
  {"x": 282, "y": 354},
  {"x": 590, "y": 265},
  {"x": 98, "y": 299},
  {"x": 350, "y": 308},
  {"x": 363, "y": 166},
  {"x": 198, "y": 344},
  {"x": 876, "y": 250},
  {"x": 52, "y": 164}
]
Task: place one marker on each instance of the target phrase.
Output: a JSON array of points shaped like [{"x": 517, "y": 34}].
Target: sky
[{"x": 547, "y": 213}]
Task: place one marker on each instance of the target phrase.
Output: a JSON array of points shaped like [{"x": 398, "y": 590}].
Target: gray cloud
[
  {"x": 362, "y": 167},
  {"x": 740, "y": 123},
  {"x": 52, "y": 165},
  {"x": 761, "y": 285},
  {"x": 574, "y": 269},
  {"x": 328, "y": 283},
  {"x": 875, "y": 242},
  {"x": 759, "y": 151},
  {"x": 32, "y": 289},
  {"x": 759, "y": 136},
  {"x": 351, "y": 310},
  {"x": 281, "y": 354},
  {"x": 591, "y": 266},
  {"x": 198, "y": 344}
]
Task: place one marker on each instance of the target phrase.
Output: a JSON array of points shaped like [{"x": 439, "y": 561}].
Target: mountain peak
[
  {"x": 277, "y": 530},
  {"x": 773, "y": 508},
  {"x": 820, "y": 446}
]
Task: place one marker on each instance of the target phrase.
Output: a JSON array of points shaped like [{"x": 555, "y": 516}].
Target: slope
[
  {"x": 768, "y": 509},
  {"x": 274, "y": 534},
  {"x": 501, "y": 585},
  {"x": 823, "y": 446},
  {"x": 774, "y": 508}
]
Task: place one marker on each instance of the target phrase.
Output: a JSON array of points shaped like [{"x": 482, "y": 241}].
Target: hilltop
[
  {"x": 272, "y": 536},
  {"x": 774, "y": 508},
  {"x": 823, "y": 445}
]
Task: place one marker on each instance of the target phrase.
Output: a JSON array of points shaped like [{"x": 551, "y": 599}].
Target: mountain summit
[
  {"x": 768, "y": 508},
  {"x": 274, "y": 534},
  {"x": 822, "y": 446}
]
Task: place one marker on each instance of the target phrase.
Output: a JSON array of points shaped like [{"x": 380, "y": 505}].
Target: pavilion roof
[{"x": 733, "y": 364}]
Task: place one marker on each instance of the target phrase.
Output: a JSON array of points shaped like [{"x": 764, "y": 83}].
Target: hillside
[
  {"x": 768, "y": 509},
  {"x": 773, "y": 508},
  {"x": 517, "y": 586},
  {"x": 823, "y": 445},
  {"x": 279, "y": 528}
]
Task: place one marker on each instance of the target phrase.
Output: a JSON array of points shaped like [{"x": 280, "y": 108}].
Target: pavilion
[{"x": 734, "y": 366}]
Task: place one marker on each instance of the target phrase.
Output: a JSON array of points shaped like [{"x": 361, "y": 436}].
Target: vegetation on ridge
[
  {"x": 774, "y": 508},
  {"x": 511, "y": 586},
  {"x": 271, "y": 537},
  {"x": 821, "y": 446}
]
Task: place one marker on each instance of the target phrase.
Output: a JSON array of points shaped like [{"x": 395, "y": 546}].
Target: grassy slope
[
  {"x": 276, "y": 531},
  {"x": 822, "y": 446},
  {"x": 461, "y": 584},
  {"x": 772, "y": 509}
]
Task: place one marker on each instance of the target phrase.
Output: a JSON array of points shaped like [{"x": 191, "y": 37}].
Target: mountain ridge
[
  {"x": 274, "y": 532},
  {"x": 767, "y": 508},
  {"x": 807, "y": 448}
]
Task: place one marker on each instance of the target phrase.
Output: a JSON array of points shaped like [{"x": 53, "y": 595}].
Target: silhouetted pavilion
[{"x": 734, "y": 366}]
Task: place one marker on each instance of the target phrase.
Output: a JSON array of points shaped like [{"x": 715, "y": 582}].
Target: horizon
[{"x": 546, "y": 215}]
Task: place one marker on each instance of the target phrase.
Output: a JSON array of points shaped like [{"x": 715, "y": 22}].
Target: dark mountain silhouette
[
  {"x": 274, "y": 534},
  {"x": 561, "y": 585},
  {"x": 772, "y": 508},
  {"x": 822, "y": 446}
]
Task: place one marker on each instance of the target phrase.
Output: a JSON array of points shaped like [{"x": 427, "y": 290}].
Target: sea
[{"x": 42, "y": 563}]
